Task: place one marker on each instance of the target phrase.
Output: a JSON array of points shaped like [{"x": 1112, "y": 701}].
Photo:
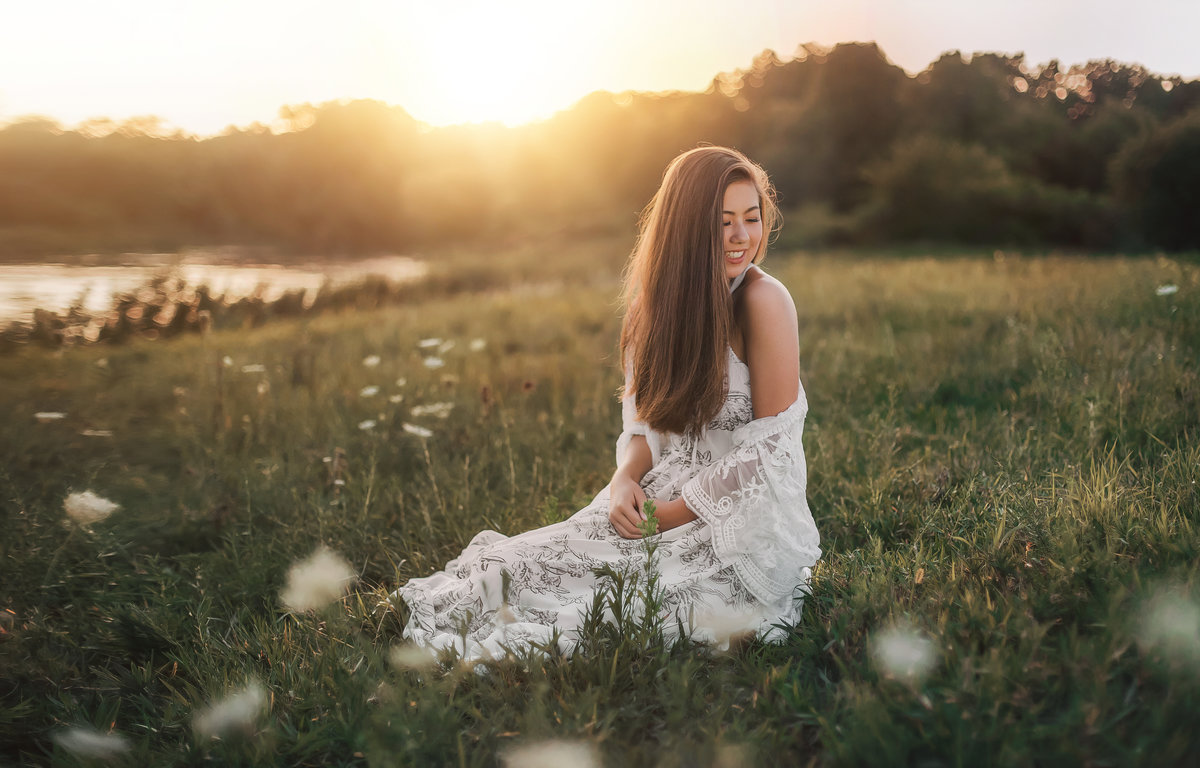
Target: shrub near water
[{"x": 1002, "y": 457}]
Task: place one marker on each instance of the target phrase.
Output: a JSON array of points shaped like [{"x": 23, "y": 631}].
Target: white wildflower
[
  {"x": 413, "y": 429},
  {"x": 441, "y": 410},
  {"x": 902, "y": 653},
  {"x": 477, "y": 345},
  {"x": 317, "y": 581},
  {"x": 371, "y": 361},
  {"x": 264, "y": 387},
  {"x": 45, "y": 416},
  {"x": 1171, "y": 623},
  {"x": 97, "y": 433},
  {"x": 370, "y": 391},
  {"x": 236, "y": 712},
  {"x": 400, "y": 382},
  {"x": 102, "y": 362},
  {"x": 396, "y": 398},
  {"x": 1167, "y": 290},
  {"x": 339, "y": 482},
  {"x": 445, "y": 346},
  {"x": 366, "y": 424},
  {"x": 555, "y": 753},
  {"x": 429, "y": 343},
  {"x": 410, "y": 656},
  {"x": 434, "y": 362},
  {"x": 87, "y": 508},
  {"x": 254, "y": 368},
  {"x": 227, "y": 361},
  {"x": 89, "y": 742}
]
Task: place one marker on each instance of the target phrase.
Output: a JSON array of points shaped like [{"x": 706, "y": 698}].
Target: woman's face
[{"x": 741, "y": 223}]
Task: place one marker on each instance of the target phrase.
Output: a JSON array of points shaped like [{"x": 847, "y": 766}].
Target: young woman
[{"x": 713, "y": 413}]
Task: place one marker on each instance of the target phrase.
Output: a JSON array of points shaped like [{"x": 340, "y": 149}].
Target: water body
[{"x": 57, "y": 286}]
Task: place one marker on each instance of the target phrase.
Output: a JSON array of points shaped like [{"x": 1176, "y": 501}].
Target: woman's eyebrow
[{"x": 751, "y": 208}]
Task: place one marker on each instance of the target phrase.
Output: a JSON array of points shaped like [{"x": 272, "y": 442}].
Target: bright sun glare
[{"x": 506, "y": 62}]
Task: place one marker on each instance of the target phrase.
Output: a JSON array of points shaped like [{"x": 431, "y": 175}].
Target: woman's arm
[
  {"x": 625, "y": 493},
  {"x": 769, "y": 327}
]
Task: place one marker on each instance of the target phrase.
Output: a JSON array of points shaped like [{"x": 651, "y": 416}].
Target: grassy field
[{"x": 1003, "y": 456}]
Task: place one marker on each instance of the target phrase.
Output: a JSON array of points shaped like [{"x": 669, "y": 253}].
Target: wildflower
[
  {"x": 434, "y": 362},
  {"x": 396, "y": 398},
  {"x": 263, "y": 387},
  {"x": 400, "y": 382},
  {"x": 87, "y": 508},
  {"x": 370, "y": 391},
  {"x": 477, "y": 345},
  {"x": 88, "y": 742},
  {"x": 44, "y": 416},
  {"x": 97, "y": 433},
  {"x": 371, "y": 361},
  {"x": 555, "y": 753},
  {"x": 227, "y": 361},
  {"x": 902, "y": 653},
  {"x": 237, "y": 711},
  {"x": 317, "y": 581},
  {"x": 429, "y": 343},
  {"x": 367, "y": 424},
  {"x": 413, "y": 429},
  {"x": 441, "y": 410},
  {"x": 254, "y": 368},
  {"x": 411, "y": 657},
  {"x": 445, "y": 346},
  {"x": 1171, "y": 623},
  {"x": 1167, "y": 290}
]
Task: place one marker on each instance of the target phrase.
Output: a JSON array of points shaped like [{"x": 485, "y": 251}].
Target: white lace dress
[{"x": 743, "y": 565}]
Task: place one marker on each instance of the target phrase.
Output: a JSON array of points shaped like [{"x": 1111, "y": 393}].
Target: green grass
[{"x": 1002, "y": 454}]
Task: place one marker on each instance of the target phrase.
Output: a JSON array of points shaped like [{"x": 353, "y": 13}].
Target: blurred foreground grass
[{"x": 1003, "y": 455}]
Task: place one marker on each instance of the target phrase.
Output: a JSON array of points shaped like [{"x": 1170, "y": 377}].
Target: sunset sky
[{"x": 202, "y": 66}]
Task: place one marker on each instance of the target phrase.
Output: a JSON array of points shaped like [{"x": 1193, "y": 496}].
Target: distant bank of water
[{"x": 58, "y": 286}]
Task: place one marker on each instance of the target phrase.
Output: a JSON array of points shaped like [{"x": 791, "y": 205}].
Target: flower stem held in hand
[{"x": 649, "y": 526}]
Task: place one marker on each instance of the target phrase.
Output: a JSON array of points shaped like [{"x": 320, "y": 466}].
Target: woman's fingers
[{"x": 625, "y": 520}]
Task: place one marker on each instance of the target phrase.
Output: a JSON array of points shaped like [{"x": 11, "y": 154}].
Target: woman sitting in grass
[{"x": 713, "y": 413}]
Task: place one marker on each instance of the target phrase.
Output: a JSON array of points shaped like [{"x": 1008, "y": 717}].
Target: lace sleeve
[
  {"x": 630, "y": 425},
  {"x": 754, "y": 500}
]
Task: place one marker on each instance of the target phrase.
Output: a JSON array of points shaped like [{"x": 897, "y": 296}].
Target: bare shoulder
[{"x": 765, "y": 306}]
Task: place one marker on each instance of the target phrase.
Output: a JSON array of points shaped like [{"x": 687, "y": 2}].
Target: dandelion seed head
[
  {"x": 477, "y": 345},
  {"x": 45, "y": 416},
  {"x": 555, "y": 753},
  {"x": 370, "y": 391},
  {"x": 434, "y": 362},
  {"x": 1171, "y": 623},
  {"x": 429, "y": 343},
  {"x": 366, "y": 424},
  {"x": 87, "y": 508},
  {"x": 236, "y": 712},
  {"x": 89, "y": 742},
  {"x": 371, "y": 361},
  {"x": 317, "y": 581},
  {"x": 410, "y": 656},
  {"x": 1167, "y": 290},
  {"x": 902, "y": 653},
  {"x": 413, "y": 429},
  {"x": 440, "y": 410}
]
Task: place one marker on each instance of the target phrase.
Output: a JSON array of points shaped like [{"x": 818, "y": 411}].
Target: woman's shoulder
[{"x": 765, "y": 303}]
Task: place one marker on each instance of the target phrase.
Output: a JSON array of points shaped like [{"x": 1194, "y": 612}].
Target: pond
[{"x": 58, "y": 286}]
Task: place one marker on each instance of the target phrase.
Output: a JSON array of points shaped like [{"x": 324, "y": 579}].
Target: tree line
[{"x": 980, "y": 150}]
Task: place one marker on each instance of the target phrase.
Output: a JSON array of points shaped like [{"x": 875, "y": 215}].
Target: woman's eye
[{"x": 751, "y": 221}]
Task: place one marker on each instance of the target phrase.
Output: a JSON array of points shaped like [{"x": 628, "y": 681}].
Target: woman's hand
[{"x": 625, "y": 499}]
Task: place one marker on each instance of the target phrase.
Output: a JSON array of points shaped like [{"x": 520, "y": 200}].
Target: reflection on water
[{"x": 55, "y": 287}]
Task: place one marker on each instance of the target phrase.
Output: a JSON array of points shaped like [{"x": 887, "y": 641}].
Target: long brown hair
[{"x": 678, "y": 311}]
